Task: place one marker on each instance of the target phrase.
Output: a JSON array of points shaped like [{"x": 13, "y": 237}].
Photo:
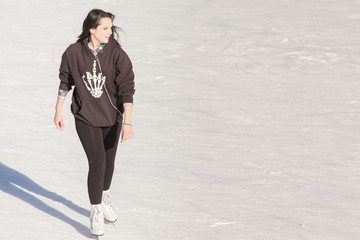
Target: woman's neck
[{"x": 94, "y": 44}]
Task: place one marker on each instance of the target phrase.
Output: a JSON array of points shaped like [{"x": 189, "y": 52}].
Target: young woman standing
[{"x": 102, "y": 104}]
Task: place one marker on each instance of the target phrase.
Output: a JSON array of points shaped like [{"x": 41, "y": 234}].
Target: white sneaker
[
  {"x": 97, "y": 220},
  {"x": 109, "y": 212}
]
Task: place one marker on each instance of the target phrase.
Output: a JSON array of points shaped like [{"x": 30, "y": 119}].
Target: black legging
[{"x": 100, "y": 144}]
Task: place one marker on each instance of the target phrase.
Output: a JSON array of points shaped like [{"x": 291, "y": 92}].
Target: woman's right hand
[{"x": 58, "y": 120}]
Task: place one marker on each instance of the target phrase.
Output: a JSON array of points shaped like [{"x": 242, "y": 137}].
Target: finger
[
  {"x": 56, "y": 124},
  {"x": 127, "y": 136},
  {"x": 59, "y": 125},
  {"x": 122, "y": 136}
]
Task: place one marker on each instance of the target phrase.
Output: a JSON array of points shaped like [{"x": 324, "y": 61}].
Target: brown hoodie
[{"x": 90, "y": 102}]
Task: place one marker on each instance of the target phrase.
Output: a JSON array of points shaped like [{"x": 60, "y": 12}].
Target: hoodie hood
[{"x": 112, "y": 42}]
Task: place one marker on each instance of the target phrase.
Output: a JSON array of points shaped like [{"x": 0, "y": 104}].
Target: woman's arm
[
  {"x": 127, "y": 131},
  {"x": 125, "y": 87},
  {"x": 66, "y": 83},
  {"x": 124, "y": 81}
]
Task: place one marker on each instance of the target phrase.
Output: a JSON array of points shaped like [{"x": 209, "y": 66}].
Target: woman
[{"x": 102, "y": 104}]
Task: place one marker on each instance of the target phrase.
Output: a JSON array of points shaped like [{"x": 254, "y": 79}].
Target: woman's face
[{"x": 103, "y": 32}]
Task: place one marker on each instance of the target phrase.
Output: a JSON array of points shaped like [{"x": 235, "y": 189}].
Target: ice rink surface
[{"x": 246, "y": 121}]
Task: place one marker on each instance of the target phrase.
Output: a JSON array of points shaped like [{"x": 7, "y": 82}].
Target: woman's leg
[
  {"x": 92, "y": 141},
  {"x": 111, "y": 138}
]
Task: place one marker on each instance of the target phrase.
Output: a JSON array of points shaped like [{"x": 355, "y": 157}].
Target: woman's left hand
[{"x": 126, "y": 132}]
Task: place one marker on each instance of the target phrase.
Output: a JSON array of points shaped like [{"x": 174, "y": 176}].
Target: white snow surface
[{"x": 246, "y": 121}]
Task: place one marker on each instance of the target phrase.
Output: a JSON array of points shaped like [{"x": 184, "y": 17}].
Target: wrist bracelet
[{"x": 127, "y": 124}]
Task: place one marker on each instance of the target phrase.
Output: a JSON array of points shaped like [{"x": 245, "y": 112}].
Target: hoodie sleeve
[
  {"x": 124, "y": 80},
  {"x": 66, "y": 80}
]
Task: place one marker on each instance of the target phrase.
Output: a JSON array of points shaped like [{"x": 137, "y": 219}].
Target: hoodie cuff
[
  {"x": 127, "y": 99},
  {"x": 64, "y": 86}
]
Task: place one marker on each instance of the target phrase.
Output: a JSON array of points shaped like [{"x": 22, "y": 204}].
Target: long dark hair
[{"x": 92, "y": 20}]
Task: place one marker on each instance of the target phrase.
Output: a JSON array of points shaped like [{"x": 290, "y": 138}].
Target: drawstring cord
[{"x": 107, "y": 93}]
